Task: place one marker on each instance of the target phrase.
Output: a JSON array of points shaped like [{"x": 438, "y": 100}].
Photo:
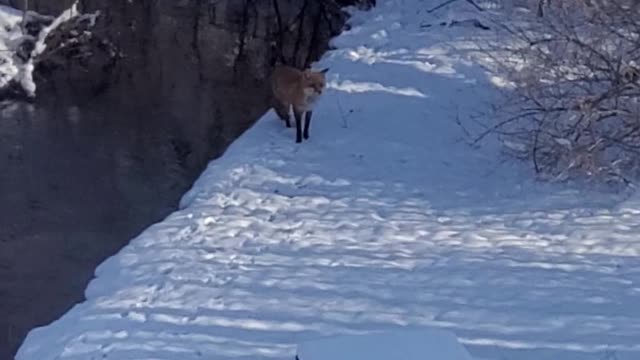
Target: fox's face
[{"x": 314, "y": 82}]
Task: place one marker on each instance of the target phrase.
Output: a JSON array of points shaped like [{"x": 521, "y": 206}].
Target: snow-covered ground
[
  {"x": 405, "y": 345},
  {"x": 383, "y": 220}
]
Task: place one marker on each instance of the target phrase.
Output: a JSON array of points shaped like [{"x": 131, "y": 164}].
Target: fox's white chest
[{"x": 311, "y": 97}]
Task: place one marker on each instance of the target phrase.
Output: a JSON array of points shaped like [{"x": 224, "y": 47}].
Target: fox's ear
[{"x": 324, "y": 71}]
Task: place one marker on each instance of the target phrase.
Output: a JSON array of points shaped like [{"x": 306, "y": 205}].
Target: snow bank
[{"x": 384, "y": 220}]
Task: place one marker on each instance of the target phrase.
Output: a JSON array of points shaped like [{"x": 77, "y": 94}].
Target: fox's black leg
[
  {"x": 298, "y": 117},
  {"x": 307, "y": 123}
]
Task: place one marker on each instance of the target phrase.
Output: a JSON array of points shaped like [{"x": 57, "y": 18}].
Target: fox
[{"x": 297, "y": 89}]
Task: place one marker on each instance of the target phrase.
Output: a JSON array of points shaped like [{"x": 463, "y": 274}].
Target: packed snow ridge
[{"x": 385, "y": 220}]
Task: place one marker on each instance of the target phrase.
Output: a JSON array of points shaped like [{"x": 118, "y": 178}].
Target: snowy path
[{"x": 384, "y": 219}]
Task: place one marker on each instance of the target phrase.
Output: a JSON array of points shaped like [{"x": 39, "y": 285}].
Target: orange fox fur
[{"x": 297, "y": 89}]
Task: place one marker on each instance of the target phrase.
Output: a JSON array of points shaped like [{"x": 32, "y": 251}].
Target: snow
[
  {"x": 10, "y": 37},
  {"x": 383, "y": 221},
  {"x": 13, "y": 69},
  {"x": 405, "y": 345}
]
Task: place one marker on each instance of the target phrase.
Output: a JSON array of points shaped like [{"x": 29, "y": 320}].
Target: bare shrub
[{"x": 573, "y": 106}]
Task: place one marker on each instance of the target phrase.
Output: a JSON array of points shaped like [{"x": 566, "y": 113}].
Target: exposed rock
[{"x": 76, "y": 54}]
